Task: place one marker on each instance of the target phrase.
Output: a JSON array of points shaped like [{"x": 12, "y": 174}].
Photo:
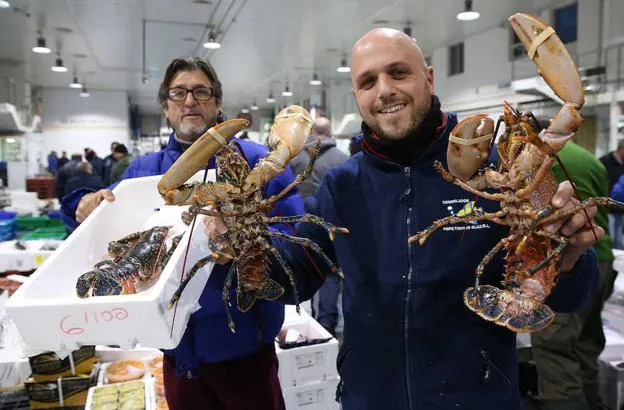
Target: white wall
[{"x": 72, "y": 123}]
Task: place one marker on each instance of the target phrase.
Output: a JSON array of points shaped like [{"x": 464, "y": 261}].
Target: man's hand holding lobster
[
  {"x": 215, "y": 229},
  {"x": 582, "y": 233}
]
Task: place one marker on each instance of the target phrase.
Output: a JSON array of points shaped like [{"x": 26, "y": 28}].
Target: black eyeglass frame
[{"x": 192, "y": 91}]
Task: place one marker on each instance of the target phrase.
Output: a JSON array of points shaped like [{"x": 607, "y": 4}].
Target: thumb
[{"x": 108, "y": 195}]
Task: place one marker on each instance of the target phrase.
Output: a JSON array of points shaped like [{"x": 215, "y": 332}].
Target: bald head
[
  {"x": 322, "y": 126},
  {"x": 387, "y": 37},
  {"x": 391, "y": 82}
]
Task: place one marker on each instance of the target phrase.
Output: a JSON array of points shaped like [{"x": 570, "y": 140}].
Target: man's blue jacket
[
  {"x": 207, "y": 337},
  {"x": 409, "y": 341}
]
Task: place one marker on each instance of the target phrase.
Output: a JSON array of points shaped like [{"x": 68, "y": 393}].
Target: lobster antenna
[{"x": 539, "y": 129}]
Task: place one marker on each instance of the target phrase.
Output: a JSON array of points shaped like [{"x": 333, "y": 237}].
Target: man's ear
[{"x": 430, "y": 80}]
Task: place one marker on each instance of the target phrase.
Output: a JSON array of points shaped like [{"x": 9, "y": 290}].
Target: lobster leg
[
  {"x": 556, "y": 253},
  {"x": 454, "y": 180},
  {"x": 476, "y": 215},
  {"x": 226, "y": 296},
  {"x": 117, "y": 248},
  {"x": 599, "y": 201},
  {"x": 490, "y": 255},
  {"x": 308, "y": 243},
  {"x": 213, "y": 257},
  {"x": 289, "y": 272},
  {"x": 330, "y": 228},
  {"x": 299, "y": 178}
]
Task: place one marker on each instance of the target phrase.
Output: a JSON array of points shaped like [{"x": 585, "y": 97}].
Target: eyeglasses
[{"x": 179, "y": 94}]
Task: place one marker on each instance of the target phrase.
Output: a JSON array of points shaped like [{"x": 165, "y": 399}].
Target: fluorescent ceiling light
[
  {"x": 84, "y": 92},
  {"x": 59, "y": 67},
  {"x": 344, "y": 68},
  {"x": 75, "y": 83},
  {"x": 41, "y": 47},
  {"x": 254, "y": 106},
  {"x": 468, "y": 14},
  {"x": 212, "y": 43},
  {"x": 315, "y": 80},
  {"x": 4, "y": 4}
]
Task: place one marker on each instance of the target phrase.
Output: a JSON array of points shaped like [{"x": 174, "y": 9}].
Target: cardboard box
[
  {"x": 314, "y": 396},
  {"x": 69, "y": 392},
  {"x": 50, "y": 316},
  {"x": 307, "y": 364},
  {"x": 49, "y": 366}
]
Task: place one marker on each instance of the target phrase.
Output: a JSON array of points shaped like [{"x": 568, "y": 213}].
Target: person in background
[
  {"x": 109, "y": 162},
  {"x": 65, "y": 173},
  {"x": 62, "y": 160},
  {"x": 211, "y": 368},
  {"x": 566, "y": 353},
  {"x": 122, "y": 161},
  {"x": 614, "y": 163},
  {"x": 84, "y": 178},
  {"x": 329, "y": 156},
  {"x": 96, "y": 162},
  {"x": 53, "y": 162}
]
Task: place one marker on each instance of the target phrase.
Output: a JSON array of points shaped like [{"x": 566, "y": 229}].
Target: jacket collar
[
  {"x": 449, "y": 120},
  {"x": 174, "y": 149}
]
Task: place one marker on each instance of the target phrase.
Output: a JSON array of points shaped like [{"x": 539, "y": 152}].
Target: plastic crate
[
  {"x": 46, "y": 233},
  {"x": 30, "y": 223}
]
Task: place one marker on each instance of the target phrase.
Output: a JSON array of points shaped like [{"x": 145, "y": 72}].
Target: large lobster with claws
[
  {"x": 526, "y": 183},
  {"x": 236, "y": 197}
]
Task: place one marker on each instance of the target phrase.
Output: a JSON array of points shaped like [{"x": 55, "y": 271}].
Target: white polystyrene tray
[
  {"x": 150, "y": 395},
  {"x": 51, "y": 317}
]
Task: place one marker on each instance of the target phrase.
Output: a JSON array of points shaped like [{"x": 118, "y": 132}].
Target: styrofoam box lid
[{"x": 51, "y": 317}]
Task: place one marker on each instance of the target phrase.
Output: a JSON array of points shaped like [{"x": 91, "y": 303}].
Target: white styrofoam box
[
  {"x": 311, "y": 363},
  {"x": 291, "y": 316},
  {"x": 14, "y": 259},
  {"x": 110, "y": 354},
  {"x": 23, "y": 202},
  {"x": 51, "y": 317},
  {"x": 314, "y": 396},
  {"x": 150, "y": 396}
]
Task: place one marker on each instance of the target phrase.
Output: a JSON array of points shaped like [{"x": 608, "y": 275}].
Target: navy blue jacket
[
  {"x": 409, "y": 341},
  {"x": 207, "y": 337}
]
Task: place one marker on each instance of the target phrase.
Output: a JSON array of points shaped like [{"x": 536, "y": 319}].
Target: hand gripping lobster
[
  {"x": 526, "y": 183},
  {"x": 236, "y": 197}
]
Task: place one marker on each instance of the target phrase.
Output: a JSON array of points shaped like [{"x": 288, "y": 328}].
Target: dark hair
[
  {"x": 121, "y": 148},
  {"x": 189, "y": 64}
]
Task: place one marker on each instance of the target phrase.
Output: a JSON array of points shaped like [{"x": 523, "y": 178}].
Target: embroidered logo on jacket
[{"x": 463, "y": 207}]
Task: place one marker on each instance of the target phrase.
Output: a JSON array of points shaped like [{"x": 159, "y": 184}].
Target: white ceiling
[{"x": 270, "y": 41}]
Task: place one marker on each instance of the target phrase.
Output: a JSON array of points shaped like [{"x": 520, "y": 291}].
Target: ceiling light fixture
[
  {"x": 344, "y": 68},
  {"x": 59, "y": 67},
  {"x": 270, "y": 98},
  {"x": 245, "y": 110},
  {"x": 212, "y": 43},
  {"x": 4, "y": 4},
  {"x": 254, "y": 106},
  {"x": 75, "y": 83},
  {"x": 287, "y": 92},
  {"x": 315, "y": 80},
  {"x": 468, "y": 14},
  {"x": 84, "y": 92},
  {"x": 408, "y": 29},
  {"x": 41, "y": 47}
]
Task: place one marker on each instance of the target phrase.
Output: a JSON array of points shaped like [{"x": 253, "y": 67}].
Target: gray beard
[{"x": 190, "y": 135}]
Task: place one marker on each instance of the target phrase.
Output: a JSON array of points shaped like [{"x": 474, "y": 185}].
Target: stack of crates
[
  {"x": 43, "y": 186},
  {"x": 8, "y": 226},
  {"x": 40, "y": 227}
]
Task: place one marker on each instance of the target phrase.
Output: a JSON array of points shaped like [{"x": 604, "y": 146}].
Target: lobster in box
[{"x": 526, "y": 185}]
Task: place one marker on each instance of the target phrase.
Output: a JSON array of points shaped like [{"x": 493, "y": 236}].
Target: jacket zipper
[
  {"x": 486, "y": 373},
  {"x": 408, "y": 292}
]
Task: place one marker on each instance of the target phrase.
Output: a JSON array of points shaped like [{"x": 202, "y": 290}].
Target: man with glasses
[{"x": 211, "y": 367}]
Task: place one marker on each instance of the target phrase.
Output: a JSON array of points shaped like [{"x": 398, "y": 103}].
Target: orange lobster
[{"x": 526, "y": 183}]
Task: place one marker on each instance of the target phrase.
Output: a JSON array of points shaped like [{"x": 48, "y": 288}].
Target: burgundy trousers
[{"x": 249, "y": 383}]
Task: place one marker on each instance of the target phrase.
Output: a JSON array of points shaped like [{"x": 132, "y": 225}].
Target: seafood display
[
  {"x": 236, "y": 197},
  {"x": 137, "y": 259},
  {"x": 526, "y": 186}
]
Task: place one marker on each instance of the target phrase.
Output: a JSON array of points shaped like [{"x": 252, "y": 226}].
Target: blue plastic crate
[{"x": 8, "y": 215}]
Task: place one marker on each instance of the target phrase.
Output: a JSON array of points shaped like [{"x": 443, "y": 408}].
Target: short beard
[
  {"x": 191, "y": 134},
  {"x": 418, "y": 116}
]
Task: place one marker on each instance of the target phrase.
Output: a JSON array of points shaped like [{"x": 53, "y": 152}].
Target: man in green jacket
[
  {"x": 120, "y": 153},
  {"x": 566, "y": 353}
]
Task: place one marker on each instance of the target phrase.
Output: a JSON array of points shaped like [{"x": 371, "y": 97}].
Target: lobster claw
[
  {"x": 550, "y": 56},
  {"x": 196, "y": 157},
  {"x": 469, "y": 145}
]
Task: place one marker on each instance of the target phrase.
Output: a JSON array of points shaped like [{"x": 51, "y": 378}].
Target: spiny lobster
[
  {"x": 137, "y": 258},
  {"x": 526, "y": 183},
  {"x": 236, "y": 197}
]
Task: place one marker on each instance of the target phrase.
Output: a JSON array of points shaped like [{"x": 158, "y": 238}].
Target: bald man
[{"x": 409, "y": 341}]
